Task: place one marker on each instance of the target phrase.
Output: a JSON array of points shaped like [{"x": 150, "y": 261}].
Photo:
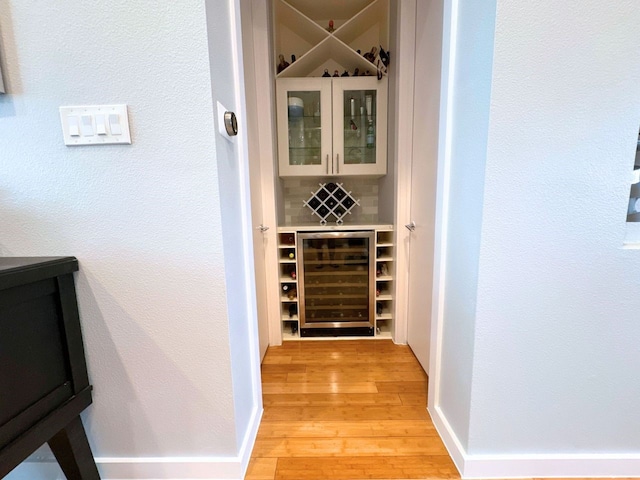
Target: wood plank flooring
[{"x": 347, "y": 410}]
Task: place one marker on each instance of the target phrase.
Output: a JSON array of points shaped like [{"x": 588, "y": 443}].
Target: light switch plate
[{"x": 121, "y": 136}]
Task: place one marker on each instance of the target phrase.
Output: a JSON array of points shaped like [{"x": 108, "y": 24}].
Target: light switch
[
  {"x": 95, "y": 125},
  {"x": 101, "y": 125},
  {"x": 86, "y": 125},
  {"x": 74, "y": 128},
  {"x": 114, "y": 124}
]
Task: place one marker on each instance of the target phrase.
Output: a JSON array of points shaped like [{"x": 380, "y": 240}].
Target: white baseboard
[
  {"x": 552, "y": 465},
  {"x": 533, "y": 465},
  {"x": 139, "y": 468},
  {"x": 250, "y": 438},
  {"x": 156, "y": 468},
  {"x": 449, "y": 437}
]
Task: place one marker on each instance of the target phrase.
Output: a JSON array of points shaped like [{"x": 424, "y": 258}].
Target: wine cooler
[{"x": 336, "y": 283}]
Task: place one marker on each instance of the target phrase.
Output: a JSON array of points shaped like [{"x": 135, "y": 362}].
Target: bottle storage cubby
[
  {"x": 327, "y": 35},
  {"x": 384, "y": 282},
  {"x": 287, "y": 259},
  {"x": 341, "y": 285}
]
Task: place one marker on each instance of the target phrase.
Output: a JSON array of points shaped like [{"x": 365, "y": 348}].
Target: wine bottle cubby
[{"x": 338, "y": 276}]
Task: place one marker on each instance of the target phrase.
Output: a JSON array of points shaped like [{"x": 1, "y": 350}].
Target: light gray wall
[
  {"x": 144, "y": 220},
  {"x": 470, "y": 119},
  {"x": 556, "y": 335},
  {"x": 234, "y": 198}
]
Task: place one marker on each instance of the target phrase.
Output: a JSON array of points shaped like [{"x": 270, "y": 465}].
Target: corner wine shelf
[{"x": 301, "y": 30}]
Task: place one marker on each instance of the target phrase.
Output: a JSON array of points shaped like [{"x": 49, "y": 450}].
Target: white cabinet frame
[{"x": 332, "y": 126}]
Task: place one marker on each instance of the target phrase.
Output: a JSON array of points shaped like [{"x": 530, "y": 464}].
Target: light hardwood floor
[{"x": 346, "y": 410}]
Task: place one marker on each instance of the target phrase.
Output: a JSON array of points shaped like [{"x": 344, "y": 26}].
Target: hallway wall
[
  {"x": 556, "y": 328},
  {"x": 471, "y": 95},
  {"x": 539, "y": 343},
  {"x": 144, "y": 220}
]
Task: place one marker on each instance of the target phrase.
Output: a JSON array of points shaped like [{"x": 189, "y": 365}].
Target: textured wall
[
  {"x": 556, "y": 342},
  {"x": 470, "y": 119},
  {"x": 144, "y": 220},
  {"x": 297, "y": 190}
]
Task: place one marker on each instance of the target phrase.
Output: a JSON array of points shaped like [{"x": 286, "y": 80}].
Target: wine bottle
[
  {"x": 282, "y": 64},
  {"x": 370, "y": 135},
  {"x": 330, "y": 28}
]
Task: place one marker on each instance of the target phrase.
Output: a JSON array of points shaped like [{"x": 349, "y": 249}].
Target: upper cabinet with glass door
[
  {"x": 360, "y": 126},
  {"x": 318, "y": 134},
  {"x": 304, "y": 126},
  {"x": 332, "y": 126}
]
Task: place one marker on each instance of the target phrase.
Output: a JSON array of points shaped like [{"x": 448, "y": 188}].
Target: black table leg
[{"x": 71, "y": 448}]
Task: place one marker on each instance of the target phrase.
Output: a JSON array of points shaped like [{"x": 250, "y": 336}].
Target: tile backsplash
[{"x": 297, "y": 190}]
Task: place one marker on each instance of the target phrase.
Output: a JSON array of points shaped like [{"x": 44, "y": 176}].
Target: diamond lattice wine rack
[{"x": 331, "y": 200}]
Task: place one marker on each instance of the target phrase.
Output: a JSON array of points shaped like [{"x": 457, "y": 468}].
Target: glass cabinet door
[
  {"x": 304, "y": 126},
  {"x": 360, "y": 125}
]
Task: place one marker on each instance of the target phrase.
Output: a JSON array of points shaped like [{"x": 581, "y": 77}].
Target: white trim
[
  {"x": 245, "y": 208},
  {"x": 404, "y": 150},
  {"x": 244, "y": 455},
  {"x": 264, "y": 87},
  {"x": 552, "y": 465},
  {"x": 265, "y": 91},
  {"x": 449, "y": 36},
  {"x": 448, "y": 437},
  {"x": 177, "y": 468},
  {"x": 130, "y": 468}
]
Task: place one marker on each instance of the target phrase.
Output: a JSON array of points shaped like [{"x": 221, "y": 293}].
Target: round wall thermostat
[{"x": 231, "y": 124}]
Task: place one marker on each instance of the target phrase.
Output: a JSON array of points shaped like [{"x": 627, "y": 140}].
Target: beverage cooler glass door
[{"x": 337, "y": 281}]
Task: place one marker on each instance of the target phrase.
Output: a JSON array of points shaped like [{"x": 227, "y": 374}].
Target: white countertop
[{"x": 315, "y": 227}]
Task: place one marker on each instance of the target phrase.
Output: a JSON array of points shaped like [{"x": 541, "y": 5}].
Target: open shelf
[
  {"x": 368, "y": 28},
  {"x": 301, "y": 29},
  {"x": 288, "y": 266}
]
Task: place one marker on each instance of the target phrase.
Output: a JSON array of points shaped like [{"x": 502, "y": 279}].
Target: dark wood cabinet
[{"x": 43, "y": 375}]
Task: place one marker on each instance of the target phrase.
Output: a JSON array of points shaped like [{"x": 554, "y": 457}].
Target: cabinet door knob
[
  {"x": 263, "y": 228},
  {"x": 411, "y": 226}
]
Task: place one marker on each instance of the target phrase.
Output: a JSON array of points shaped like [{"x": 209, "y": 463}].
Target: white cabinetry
[
  {"x": 385, "y": 272},
  {"x": 332, "y": 126},
  {"x": 288, "y": 263},
  {"x": 338, "y": 125},
  {"x": 301, "y": 29},
  {"x": 287, "y": 258}
]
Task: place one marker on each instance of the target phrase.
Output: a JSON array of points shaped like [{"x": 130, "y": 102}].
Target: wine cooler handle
[
  {"x": 338, "y": 163},
  {"x": 327, "y": 164}
]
